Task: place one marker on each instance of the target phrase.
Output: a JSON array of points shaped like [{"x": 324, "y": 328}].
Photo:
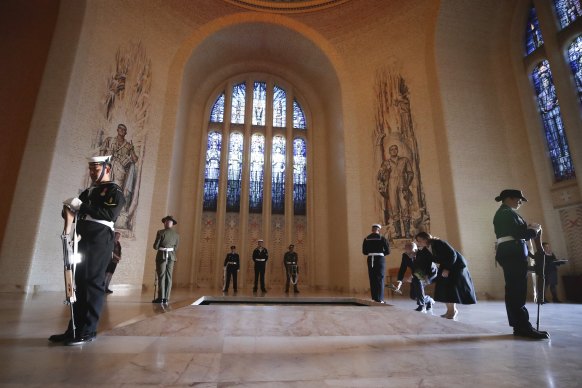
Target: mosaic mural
[
  {"x": 400, "y": 197},
  {"x": 123, "y": 131}
]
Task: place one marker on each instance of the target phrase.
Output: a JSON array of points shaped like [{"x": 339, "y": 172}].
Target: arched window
[
  {"x": 533, "y": 34},
  {"x": 267, "y": 129},
  {"x": 567, "y": 11},
  {"x": 552, "y": 120},
  {"x": 575, "y": 59}
]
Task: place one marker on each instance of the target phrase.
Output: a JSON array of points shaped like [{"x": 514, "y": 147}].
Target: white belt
[
  {"x": 261, "y": 260},
  {"x": 505, "y": 239},
  {"x": 166, "y": 250},
  {"x": 375, "y": 254},
  {"x": 109, "y": 224}
]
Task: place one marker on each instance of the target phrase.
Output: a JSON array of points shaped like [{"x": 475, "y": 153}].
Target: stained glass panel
[
  {"x": 257, "y": 167},
  {"x": 299, "y": 176},
  {"x": 298, "y": 116},
  {"x": 552, "y": 119},
  {"x": 533, "y": 34},
  {"x": 567, "y": 11},
  {"x": 212, "y": 171},
  {"x": 279, "y": 107},
  {"x": 217, "y": 113},
  {"x": 234, "y": 174},
  {"x": 238, "y": 103},
  {"x": 278, "y": 177},
  {"x": 259, "y": 103},
  {"x": 575, "y": 59}
]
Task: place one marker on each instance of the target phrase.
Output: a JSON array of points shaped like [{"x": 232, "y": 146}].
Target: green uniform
[{"x": 166, "y": 244}]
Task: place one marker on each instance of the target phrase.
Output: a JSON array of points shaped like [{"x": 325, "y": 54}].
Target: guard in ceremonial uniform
[
  {"x": 512, "y": 232},
  {"x": 97, "y": 209},
  {"x": 166, "y": 244},
  {"x": 291, "y": 267},
  {"x": 260, "y": 257},
  {"x": 231, "y": 267},
  {"x": 375, "y": 246}
]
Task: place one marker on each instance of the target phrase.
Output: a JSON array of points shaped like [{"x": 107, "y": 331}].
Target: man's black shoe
[
  {"x": 58, "y": 338},
  {"x": 157, "y": 300},
  {"x": 296, "y": 291},
  {"x": 254, "y": 290},
  {"x": 81, "y": 339},
  {"x": 264, "y": 291},
  {"x": 419, "y": 308},
  {"x": 109, "y": 291},
  {"x": 531, "y": 333},
  {"x": 429, "y": 305},
  {"x": 164, "y": 301}
]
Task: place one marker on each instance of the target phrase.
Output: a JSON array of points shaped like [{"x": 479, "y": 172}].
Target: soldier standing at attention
[
  {"x": 166, "y": 244},
  {"x": 231, "y": 267},
  {"x": 375, "y": 246},
  {"x": 260, "y": 257},
  {"x": 291, "y": 268}
]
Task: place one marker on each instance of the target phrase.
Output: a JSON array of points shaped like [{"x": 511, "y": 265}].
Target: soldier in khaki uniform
[{"x": 166, "y": 244}]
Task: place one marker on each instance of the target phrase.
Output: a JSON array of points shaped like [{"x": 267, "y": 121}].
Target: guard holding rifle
[
  {"x": 96, "y": 211},
  {"x": 292, "y": 269},
  {"x": 166, "y": 244}
]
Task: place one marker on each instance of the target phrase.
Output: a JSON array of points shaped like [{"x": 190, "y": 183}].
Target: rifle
[
  {"x": 71, "y": 257},
  {"x": 540, "y": 267}
]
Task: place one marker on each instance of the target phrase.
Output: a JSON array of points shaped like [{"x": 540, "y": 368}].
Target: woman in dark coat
[{"x": 454, "y": 284}]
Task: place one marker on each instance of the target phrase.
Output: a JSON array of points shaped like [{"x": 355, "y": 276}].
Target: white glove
[
  {"x": 73, "y": 203},
  {"x": 536, "y": 227},
  {"x": 398, "y": 285}
]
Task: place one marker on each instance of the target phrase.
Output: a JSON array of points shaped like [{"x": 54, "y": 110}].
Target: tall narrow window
[
  {"x": 278, "y": 176},
  {"x": 299, "y": 176},
  {"x": 552, "y": 120},
  {"x": 567, "y": 11},
  {"x": 259, "y": 103},
  {"x": 298, "y": 116},
  {"x": 533, "y": 34},
  {"x": 238, "y": 103},
  {"x": 235, "y": 159},
  {"x": 575, "y": 59},
  {"x": 257, "y": 167},
  {"x": 212, "y": 171},
  {"x": 279, "y": 107},
  {"x": 217, "y": 113}
]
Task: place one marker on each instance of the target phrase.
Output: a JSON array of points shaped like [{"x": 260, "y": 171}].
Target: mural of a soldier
[{"x": 394, "y": 181}]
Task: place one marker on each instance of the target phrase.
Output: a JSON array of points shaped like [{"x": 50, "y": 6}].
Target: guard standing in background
[
  {"x": 231, "y": 267},
  {"x": 166, "y": 244},
  {"x": 291, "y": 268},
  {"x": 260, "y": 257},
  {"x": 375, "y": 246}
]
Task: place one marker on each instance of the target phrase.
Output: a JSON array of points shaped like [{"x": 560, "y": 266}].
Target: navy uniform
[
  {"x": 166, "y": 244},
  {"x": 512, "y": 232},
  {"x": 290, "y": 261},
  {"x": 375, "y": 246},
  {"x": 97, "y": 210},
  {"x": 418, "y": 269},
  {"x": 231, "y": 267},
  {"x": 260, "y": 257}
]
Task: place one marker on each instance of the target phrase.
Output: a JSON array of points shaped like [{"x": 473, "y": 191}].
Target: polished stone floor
[{"x": 261, "y": 342}]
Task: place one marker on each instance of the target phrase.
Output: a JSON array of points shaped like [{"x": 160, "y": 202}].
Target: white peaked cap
[
  {"x": 99, "y": 159},
  {"x": 377, "y": 226}
]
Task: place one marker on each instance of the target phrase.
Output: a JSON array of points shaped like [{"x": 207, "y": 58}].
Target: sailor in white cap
[
  {"x": 375, "y": 246},
  {"x": 260, "y": 257},
  {"x": 97, "y": 209}
]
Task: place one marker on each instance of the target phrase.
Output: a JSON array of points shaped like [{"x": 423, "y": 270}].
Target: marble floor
[{"x": 259, "y": 342}]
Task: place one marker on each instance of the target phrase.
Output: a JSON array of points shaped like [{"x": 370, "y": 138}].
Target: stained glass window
[
  {"x": 234, "y": 174},
  {"x": 575, "y": 59},
  {"x": 299, "y": 176},
  {"x": 212, "y": 171},
  {"x": 238, "y": 104},
  {"x": 552, "y": 119},
  {"x": 278, "y": 176},
  {"x": 533, "y": 34},
  {"x": 279, "y": 107},
  {"x": 567, "y": 11},
  {"x": 298, "y": 116},
  {"x": 217, "y": 113},
  {"x": 259, "y": 103},
  {"x": 257, "y": 167}
]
